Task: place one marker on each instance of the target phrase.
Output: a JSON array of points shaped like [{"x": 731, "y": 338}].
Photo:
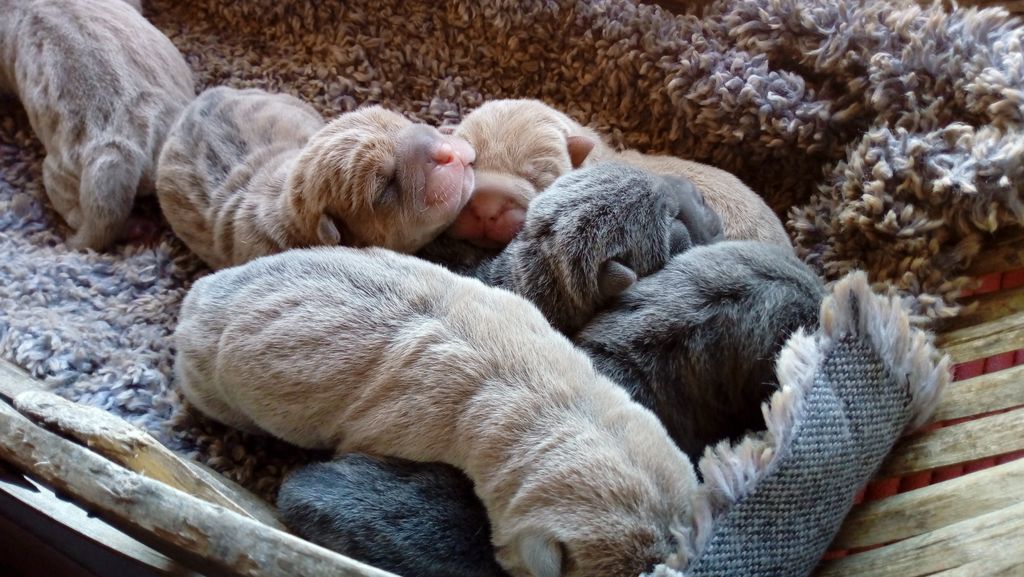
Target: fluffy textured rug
[{"x": 891, "y": 132}]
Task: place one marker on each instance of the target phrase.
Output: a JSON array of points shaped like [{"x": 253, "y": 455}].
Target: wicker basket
[{"x": 949, "y": 500}]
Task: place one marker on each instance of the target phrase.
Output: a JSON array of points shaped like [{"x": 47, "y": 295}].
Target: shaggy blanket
[{"x": 891, "y": 131}]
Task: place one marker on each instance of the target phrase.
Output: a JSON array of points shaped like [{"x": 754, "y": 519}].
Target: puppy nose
[
  {"x": 443, "y": 154},
  {"x": 462, "y": 150}
]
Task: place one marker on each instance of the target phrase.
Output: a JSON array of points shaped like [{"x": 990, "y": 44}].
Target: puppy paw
[{"x": 594, "y": 232}]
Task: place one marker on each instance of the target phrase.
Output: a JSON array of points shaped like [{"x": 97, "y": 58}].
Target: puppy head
[
  {"x": 522, "y": 147},
  {"x": 586, "y": 541},
  {"x": 612, "y": 511},
  {"x": 373, "y": 178}
]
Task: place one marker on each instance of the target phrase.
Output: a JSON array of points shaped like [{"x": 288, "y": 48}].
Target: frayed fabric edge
[{"x": 731, "y": 472}]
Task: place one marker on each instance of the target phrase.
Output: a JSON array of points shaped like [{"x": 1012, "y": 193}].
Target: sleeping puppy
[
  {"x": 101, "y": 87},
  {"x": 694, "y": 342},
  {"x": 405, "y": 517},
  {"x": 598, "y": 231},
  {"x": 525, "y": 145},
  {"x": 366, "y": 350},
  {"x": 246, "y": 173}
]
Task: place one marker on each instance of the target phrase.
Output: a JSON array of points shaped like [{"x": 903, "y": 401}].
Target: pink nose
[{"x": 443, "y": 154}]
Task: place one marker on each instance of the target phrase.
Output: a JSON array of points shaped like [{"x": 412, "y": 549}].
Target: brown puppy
[
  {"x": 366, "y": 350},
  {"x": 101, "y": 87},
  {"x": 523, "y": 145},
  {"x": 246, "y": 173}
]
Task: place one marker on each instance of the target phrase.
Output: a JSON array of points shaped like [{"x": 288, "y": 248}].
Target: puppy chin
[{"x": 494, "y": 231}]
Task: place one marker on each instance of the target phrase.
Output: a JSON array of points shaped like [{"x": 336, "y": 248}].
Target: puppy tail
[{"x": 110, "y": 180}]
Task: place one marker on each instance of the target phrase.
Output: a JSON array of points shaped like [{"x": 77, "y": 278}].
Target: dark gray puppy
[
  {"x": 413, "y": 519},
  {"x": 694, "y": 341}
]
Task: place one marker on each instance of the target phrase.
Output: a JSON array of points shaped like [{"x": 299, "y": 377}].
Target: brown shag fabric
[{"x": 891, "y": 132}]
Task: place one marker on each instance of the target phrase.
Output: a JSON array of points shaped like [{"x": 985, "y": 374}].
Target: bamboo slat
[
  {"x": 984, "y": 340},
  {"x": 968, "y": 441},
  {"x": 933, "y": 507},
  {"x": 987, "y": 308},
  {"x": 982, "y": 394},
  {"x": 1003, "y": 251},
  {"x": 995, "y": 538}
]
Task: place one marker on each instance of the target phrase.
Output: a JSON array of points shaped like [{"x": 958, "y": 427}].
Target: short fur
[
  {"x": 416, "y": 519},
  {"x": 524, "y": 145},
  {"x": 101, "y": 87},
  {"x": 600, "y": 229},
  {"x": 246, "y": 173},
  {"x": 370, "y": 351},
  {"x": 694, "y": 342}
]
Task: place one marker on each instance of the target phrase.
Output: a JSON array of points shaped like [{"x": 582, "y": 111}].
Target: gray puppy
[
  {"x": 695, "y": 342},
  {"x": 588, "y": 238},
  {"x": 410, "y": 518}
]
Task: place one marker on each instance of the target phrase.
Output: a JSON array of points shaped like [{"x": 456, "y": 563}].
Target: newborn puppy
[
  {"x": 694, "y": 342},
  {"x": 524, "y": 145},
  {"x": 371, "y": 351},
  {"x": 246, "y": 173},
  {"x": 101, "y": 87},
  {"x": 409, "y": 518}
]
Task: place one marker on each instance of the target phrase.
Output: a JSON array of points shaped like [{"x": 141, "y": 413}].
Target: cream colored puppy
[
  {"x": 366, "y": 350},
  {"x": 101, "y": 87},
  {"x": 524, "y": 145},
  {"x": 246, "y": 173}
]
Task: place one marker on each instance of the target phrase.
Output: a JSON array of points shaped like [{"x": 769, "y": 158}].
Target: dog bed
[{"x": 888, "y": 133}]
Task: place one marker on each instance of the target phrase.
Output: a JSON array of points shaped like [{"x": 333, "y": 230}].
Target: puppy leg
[
  {"x": 110, "y": 180},
  {"x": 587, "y": 239},
  {"x": 62, "y": 189}
]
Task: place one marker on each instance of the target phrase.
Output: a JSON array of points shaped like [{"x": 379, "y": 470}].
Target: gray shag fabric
[{"x": 893, "y": 130}]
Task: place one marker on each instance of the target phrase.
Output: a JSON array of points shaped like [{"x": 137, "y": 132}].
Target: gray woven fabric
[{"x": 850, "y": 419}]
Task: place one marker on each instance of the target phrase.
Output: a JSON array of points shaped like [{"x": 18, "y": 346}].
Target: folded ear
[
  {"x": 615, "y": 278},
  {"x": 327, "y": 231},
  {"x": 541, "y": 554},
  {"x": 579, "y": 148},
  {"x": 679, "y": 238}
]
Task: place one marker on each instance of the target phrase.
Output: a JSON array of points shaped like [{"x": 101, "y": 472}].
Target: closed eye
[{"x": 387, "y": 190}]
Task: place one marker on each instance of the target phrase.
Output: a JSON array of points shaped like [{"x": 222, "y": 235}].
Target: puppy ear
[
  {"x": 579, "y": 148},
  {"x": 448, "y": 129},
  {"x": 542, "y": 555},
  {"x": 615, "y": 278},
  {"x": 327, "y": 231},
  {"x": 679, "y": 238}
]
